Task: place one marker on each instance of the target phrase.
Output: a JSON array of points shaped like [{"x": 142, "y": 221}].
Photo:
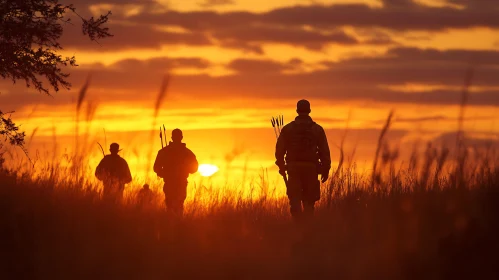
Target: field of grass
[
  {"x": 438, "y": 218},
  {"x": 434, "y": 217}
]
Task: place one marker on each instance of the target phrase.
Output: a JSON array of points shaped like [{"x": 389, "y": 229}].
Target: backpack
[{"x": 303, "y": 141}]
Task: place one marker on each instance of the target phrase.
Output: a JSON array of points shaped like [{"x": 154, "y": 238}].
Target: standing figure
[
  {"x": 174, "y": 163},
  {"x": 114, "y": 172},
  {"x": 145, "y": 198},
  {"x": 302, "y": 150}
]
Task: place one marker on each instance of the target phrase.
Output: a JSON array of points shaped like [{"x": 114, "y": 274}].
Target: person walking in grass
[
  {"x": 145, "y": 198},
  {"x": 174, "y": 163},
  {"x": 302, "y": 151},
  {"x": 114, "y": 172}
]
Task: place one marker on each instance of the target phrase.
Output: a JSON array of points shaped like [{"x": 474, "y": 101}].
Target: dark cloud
[
  {"x": 247, "y": 66},
  {"x": 403, "y": 57},
  {"x": 300, "y": 37},
  {"x": 132, "y": 37},
  {"x": 402, "y": 17},
  {"x": 198, "y": 20},
  {"x": 355, "y": 79},
  {"x": 124, "y": 86},
  {"x": 22, "y": 98},
  {"x": 101, "y": 2},
  {"x": 398, "y": 3},
  {"x": 247, "y": 30},
  {"x": 478, "y": 57},
  {"x": 396, "y": 15},
  {"x": 160, "y": 64},
  {"x": 244, "y": 46},
  {"x": 249, "y": 38},
  {"x": 296, "y": 61},
  {"x": 83, "y": 6},
  {"x": 449, "y": 139},
  {"x": 477, "y": 4},
  {"x": 375, "y": 36}
]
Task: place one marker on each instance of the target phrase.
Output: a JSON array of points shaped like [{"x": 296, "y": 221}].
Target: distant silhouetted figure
[
  {"x": 302, "y": 150},
  {"x": 145, "y": 197},
  {"x": 174, "y": 163},
  {"x": 114, "y": 172}
]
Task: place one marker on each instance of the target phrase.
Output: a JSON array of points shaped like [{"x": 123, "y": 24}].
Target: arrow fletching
[
  {"x": 164, "y": 132},
  {"x": 161, "y": 137},
  {"x": 273, "y": 121}
]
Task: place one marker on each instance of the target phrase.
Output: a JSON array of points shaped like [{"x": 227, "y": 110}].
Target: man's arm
[
  {"x": 99, "y": 172},
  {"x": 193, "y": 163},
  {"x": 158, "y": 168},
  {"x": 128, "y": 175},
  {"x": 280, "y": 149},
  {"x": 324, "y": 153}
]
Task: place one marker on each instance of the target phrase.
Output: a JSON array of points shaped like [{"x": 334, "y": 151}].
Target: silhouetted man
[
  {"x": 145, "y": 197},
  {"x": 113, "y": 170},
  {"x": 302, "y": 150},
  {"x": 174, "y": 163}
]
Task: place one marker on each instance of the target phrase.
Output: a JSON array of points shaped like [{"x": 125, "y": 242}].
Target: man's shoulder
[
  {"x": 106, "y": 158},
  {"x": 189, "y": 151},
  {"x": 288, "y": 125},
  {"x": 318, "y": 126},
  {"x": 294, "y": 124},
  {"x": 165, "y": 150},
  {"x": 114, "y": 158},
  {"x": 122, "y": 160}
]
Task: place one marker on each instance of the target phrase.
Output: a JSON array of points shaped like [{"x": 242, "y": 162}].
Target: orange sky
[{"x": 236, "y": 63}]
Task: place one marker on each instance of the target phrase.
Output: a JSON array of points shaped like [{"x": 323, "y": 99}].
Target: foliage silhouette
[{"x": 29, "y": 43}]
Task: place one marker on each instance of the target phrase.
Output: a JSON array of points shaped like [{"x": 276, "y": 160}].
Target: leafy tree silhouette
[{"x": 29, "y": 41}]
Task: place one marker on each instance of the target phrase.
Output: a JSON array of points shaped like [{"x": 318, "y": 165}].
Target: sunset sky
[{"x": 236, "y": 63}]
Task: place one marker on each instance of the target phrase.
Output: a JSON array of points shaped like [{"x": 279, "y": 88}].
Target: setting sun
[{"x": 207, "y": 170}]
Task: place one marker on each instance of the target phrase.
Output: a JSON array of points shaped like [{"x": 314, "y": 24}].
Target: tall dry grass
[
  {"x": 434, "y": 218},
  {"x": 54, "y": 227},
  {"x": 157, "y": 107}
]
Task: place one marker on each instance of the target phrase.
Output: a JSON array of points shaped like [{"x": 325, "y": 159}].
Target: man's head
[
  {"x": 177, "y": 135},
  {"x": 114, "y": 148},
  {"x": 303, "y": 107},
  {"x": 146, "y": 186}
]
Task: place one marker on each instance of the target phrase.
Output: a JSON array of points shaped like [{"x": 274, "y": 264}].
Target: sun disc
[{"x": 207, "y": 170}]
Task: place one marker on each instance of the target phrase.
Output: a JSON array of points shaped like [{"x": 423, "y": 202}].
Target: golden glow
[
  {"x": 207, "y": 170},
  {"x": 257, "y": 6},
  {"x": 437, "y": 3},
  {"x": 229, "y": 122},
  {"x": 414, "y": 87},
  {"x": 465, "y": 39}
]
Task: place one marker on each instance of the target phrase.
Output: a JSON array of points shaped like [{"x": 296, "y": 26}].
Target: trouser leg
[
  {"x": 119, "y": 194},
  {"x": 308, "y": 208},
  {"x": 175, "y": 195},
  {"x": 294, "y": 192},
  {"x": 303, "y": 188},
  {"x": 112, "y": 193},
  {"x": 311, "y": 191},
  {"x": 177, "y": 207}
]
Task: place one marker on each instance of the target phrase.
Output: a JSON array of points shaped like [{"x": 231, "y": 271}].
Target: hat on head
[
  {"x": 303, "y": 106},
  {"x": 115, "y": 147}
]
